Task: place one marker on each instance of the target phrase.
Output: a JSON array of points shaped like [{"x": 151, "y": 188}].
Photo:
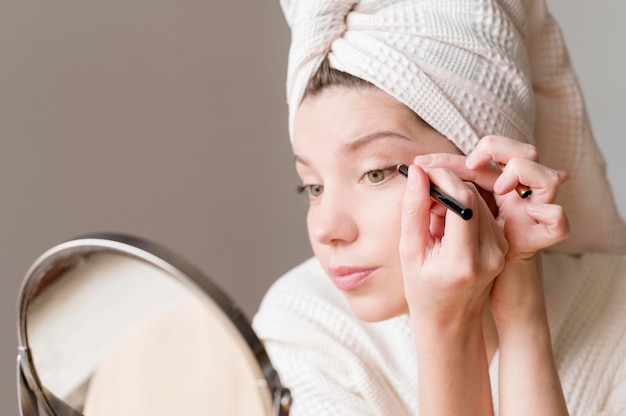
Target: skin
[
  {"x": 356, "y": 223},
  {"x": 469, "y": 286}
]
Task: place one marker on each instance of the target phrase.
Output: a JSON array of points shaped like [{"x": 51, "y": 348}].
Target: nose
[{"x": 331, "y": 221}]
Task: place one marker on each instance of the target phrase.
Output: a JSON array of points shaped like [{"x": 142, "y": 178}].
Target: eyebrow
[
  {"x": 362, "y": 141},
  {"x": 374, "y": 137}
]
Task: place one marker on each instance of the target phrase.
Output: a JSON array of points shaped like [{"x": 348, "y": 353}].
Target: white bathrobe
[{"x": 336, "y": 365}]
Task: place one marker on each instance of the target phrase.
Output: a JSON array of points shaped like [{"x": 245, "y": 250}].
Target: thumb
[{"x": 415, "y": 215}]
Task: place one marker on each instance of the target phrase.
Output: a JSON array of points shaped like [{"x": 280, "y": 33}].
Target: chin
[{"x": 376, "y": 311}]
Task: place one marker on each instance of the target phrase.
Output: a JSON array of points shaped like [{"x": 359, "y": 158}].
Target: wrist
[
  {"x": 533, "y": 330},
  {"x": 517, "y": 298},
  {"x": 451, "y": 325}
]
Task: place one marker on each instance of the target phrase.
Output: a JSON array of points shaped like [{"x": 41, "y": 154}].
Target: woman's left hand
[{"x": 529, "y": 224}]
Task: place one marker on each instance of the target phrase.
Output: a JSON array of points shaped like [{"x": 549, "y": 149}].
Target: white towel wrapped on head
[{"x": 469, "y": 68}]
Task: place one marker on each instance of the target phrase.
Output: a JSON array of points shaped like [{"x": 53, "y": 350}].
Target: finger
[
  {"x": 477, "y": 246},
  {"x": 552, "y": 225},
  {"x": 483, "y": 176},
  {"x": 501, "y": 149},
  {"x": 415, "y": 219},
  {"x": 543, "y": 181},
  {"x": 458, "y": 233}
]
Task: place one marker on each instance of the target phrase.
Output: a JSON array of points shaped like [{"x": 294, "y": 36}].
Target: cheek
[
  {"x": 384, "y": 216},
  {"x": 319, "y": 249},
  {"x": 310, "y": 218},
  {"x": 383, "y": 231},
  {"x": 373, "y": 215},
  {"x": 378, "y": 241}
]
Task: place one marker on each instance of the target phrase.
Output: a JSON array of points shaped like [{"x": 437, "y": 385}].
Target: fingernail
[{"x": 423, "y": 160}]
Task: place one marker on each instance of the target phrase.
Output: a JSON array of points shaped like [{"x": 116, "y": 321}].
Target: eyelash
[
  {"x": 388, "y": 173},
  {"x": 301, "y": 189}
]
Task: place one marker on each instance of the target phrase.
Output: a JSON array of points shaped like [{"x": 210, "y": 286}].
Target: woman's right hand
[{"x": 448, "y": 263}]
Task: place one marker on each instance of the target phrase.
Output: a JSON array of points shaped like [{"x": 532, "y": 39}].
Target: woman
[{"x": 407, "y": 308}]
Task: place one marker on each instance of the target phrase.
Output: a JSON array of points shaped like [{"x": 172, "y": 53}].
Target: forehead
[
  {"x": 343, "y": 118},
  {"x": 348, "y": 111}
]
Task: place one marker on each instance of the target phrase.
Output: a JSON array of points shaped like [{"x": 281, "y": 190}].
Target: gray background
[{"x": 167, "y": 120}]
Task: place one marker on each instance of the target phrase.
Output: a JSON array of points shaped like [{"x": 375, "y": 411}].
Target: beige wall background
[{"x": 167, "y": 120}]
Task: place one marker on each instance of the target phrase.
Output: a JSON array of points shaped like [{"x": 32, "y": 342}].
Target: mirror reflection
[{"x": 112, "y": 334}]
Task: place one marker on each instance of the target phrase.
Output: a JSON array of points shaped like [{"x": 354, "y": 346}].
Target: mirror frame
[{"x": 35, "y": 400}]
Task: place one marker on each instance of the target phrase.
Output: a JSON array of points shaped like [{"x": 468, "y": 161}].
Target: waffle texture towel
[
  {"x": 335, "y": 364},
  {"x": 469, "y": 68}
]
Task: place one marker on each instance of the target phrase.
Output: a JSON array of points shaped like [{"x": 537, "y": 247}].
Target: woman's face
[{"x": 347, "y": 144}]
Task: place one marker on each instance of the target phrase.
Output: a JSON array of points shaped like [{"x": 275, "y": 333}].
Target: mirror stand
[{"x": 113, "y": 324}]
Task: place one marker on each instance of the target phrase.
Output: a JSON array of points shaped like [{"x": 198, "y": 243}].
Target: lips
[{"x": 348, "y": 277}]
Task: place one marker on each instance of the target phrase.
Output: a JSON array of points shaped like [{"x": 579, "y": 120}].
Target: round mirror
[{"x": 115, "y": 325}]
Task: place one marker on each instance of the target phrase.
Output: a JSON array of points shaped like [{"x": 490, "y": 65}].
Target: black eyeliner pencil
[{"x": 443, "y": 198}]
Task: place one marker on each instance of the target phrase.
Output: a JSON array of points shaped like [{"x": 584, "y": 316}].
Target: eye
[
  {"x": 376, "y": 176},
  {"x": 316, "y": 190},
  {"x": 311, "y": 190}
]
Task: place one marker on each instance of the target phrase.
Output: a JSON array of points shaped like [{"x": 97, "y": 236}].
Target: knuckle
[
  {"x": 558, "y": 228},
  {"x": 563, "y": 221},
  {"x": 495, "y": 258},
  {"x": 514, "y": 164},
  {"x": 553, "y": 177},
  {"x": 488, "y": 140},
  {"x": 474, "y": 269},
  {"x": 496, "y": 264},
  {"x": 468, "y": 191},
  {"x": 530, "y": 152},
  {"x": 467, "y": 195},
  {"x": 465, "y": 273}
]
